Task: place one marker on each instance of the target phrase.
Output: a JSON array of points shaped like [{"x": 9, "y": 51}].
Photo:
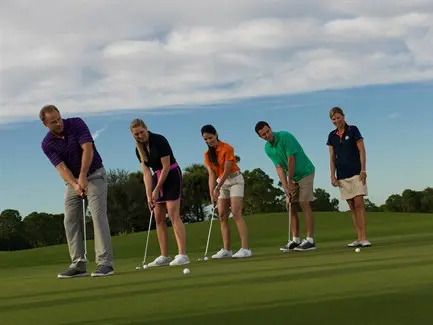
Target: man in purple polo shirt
[{"x": 70, "y": 148}]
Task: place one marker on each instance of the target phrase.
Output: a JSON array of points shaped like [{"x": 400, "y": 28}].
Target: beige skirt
[{"x": 352, "y": 187}]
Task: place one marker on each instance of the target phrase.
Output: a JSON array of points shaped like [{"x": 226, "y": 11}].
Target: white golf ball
[
  {"x": 186, "y": 271},
  {"x": 357, "y": 250},
  {"x": 144, "y": 267},
  {"x": 206, "y": 258}
]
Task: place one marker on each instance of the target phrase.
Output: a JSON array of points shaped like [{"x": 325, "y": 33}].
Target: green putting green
[{"x": 388, "y": 283}]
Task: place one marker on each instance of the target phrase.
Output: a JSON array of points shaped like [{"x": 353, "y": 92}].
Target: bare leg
[
  {"x": 173, "y": 208},
  {"x": 351, "y": 204},
  {"x": 223, "y": 211},
  {"x": 308, "y": 215},
  {"x": 161, "y": 228},
  {"x": 237, "y": 204},
  {"x": 360, "y": 216}
]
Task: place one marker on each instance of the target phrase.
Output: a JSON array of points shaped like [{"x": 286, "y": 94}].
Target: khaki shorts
[
  {"x": 233, "y": 186},
  {"x": 303, "y": 190},
  {"x": 351, "y": 187}
]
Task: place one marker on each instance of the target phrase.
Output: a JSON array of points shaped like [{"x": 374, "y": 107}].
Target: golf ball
[
  {"x": 205, "y": 258},
  {"x": 144, "y": 267},
  {"x": 357, "y": 250},
  {"x": 186, "y": 271}
]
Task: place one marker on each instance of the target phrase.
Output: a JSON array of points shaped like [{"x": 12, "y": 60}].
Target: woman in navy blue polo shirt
[
  {"x": 348, "y": 173},
  {"x": 163, "y": 188}
]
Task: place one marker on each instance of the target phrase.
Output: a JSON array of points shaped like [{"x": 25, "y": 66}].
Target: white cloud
[
  {"x": 97, "y": 133},
  {"x": 394, "y": 115},
  {"x": 98, "y": 56}
]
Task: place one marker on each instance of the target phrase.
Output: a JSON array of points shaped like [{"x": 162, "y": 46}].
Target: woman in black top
[{"x": 163, "y": 188}]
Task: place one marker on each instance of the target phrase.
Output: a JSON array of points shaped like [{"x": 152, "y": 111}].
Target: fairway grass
[{"x": 389, "y": 283}]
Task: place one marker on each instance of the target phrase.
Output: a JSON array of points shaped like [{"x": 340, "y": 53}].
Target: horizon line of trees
[{"x": 128, "y": 211}]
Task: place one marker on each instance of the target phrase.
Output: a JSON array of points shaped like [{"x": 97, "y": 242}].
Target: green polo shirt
[{"x": 284, "y": 146}]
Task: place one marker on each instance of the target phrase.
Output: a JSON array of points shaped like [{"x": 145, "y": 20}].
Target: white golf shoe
[
  {"x": 180, "y": 260},
  {"x": 243, "y": 253},
  {"x": 160, "y": 261},
  {"x": 223, "y": 253}
]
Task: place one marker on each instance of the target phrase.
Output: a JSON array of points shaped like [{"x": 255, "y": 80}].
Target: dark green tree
[{"x": 261, "y": 196}]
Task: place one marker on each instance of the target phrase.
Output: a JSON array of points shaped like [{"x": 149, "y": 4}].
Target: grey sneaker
[
  {"x": 290, "y": 246},
  {"x": 306, "y": 246},
  {"x": 103, "y": 270},
  {"x": 73, "y": 271}
]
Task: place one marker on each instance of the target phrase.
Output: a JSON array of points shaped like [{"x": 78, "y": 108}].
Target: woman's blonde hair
[
  {"x": 136, "y": 123},
  {"x": 335, "y": 110}
]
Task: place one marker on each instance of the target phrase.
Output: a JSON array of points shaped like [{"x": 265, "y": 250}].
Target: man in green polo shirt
[{"x": 296, "y": 173}]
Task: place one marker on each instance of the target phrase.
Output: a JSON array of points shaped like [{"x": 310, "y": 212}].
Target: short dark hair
[
  {"x": 47, "y": 109},
  {"x": 260, "y": 125}
]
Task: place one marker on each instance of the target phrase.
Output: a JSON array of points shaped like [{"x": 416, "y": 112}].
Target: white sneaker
[
  {"x": 243, "y": 253},
  {"x": 354, "y": 244},
  {"x": 180, "y": 260},
  {"x": 160, "y": 261},
  {"x": 365, "y": 243},
  {"x": 223, "y": 253}
]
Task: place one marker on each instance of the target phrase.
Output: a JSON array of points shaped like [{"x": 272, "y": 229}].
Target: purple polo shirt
[{"x": 68, "y": 150}]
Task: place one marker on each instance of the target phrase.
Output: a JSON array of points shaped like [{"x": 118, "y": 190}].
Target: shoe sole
[
  {"x": 239, "y": 257},
  {"x": 220, "y": 258},
  {"x": 287, "y": 250},
  {"x": 185, "y": 263},
  {"x": 305, "y": 249},
  {"x": 71, "y": 276},
  {"x": 158, "y": 265},
  {"x": 98, "y": 275}
]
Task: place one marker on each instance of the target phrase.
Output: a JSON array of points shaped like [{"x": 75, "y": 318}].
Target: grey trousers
[{"x": 73, "y": 222}]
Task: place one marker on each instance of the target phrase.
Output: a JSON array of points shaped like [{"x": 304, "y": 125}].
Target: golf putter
[
  {"x": 289, "y": 210},
  {"x": 147, "y": 240},
  {"x": 84, "y": 228},
  {"x": 210, "y": 230}
]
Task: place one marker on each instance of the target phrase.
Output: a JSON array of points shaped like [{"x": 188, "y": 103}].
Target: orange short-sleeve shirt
[{"x": 225, "y": 152}]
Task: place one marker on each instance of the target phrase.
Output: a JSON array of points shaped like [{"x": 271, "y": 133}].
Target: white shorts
[
  {"x": 233, "y": 186},
  {"x": 351, "y": 187}
]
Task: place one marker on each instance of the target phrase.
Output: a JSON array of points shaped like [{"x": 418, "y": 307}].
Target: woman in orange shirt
[{"x": 226, "y": 184}]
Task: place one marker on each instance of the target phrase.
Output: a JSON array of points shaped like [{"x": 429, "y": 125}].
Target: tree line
[{"x": 128, "y": 211}]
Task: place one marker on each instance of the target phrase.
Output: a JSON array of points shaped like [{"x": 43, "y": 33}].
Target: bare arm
[
  {"x": 211, "y": 180},
  {"x": 332, "y": 161},
  {"x": 66, "y": 174},
  {"x": 165, "y": 170},
  {"x": 282, "y": 176},
  {"x": 87, "y": 158},
  {"x": 291, "y": 164},
  {"x": 361, "y": 148},
  {"x": 147, "y": 178},
  {"x": 227, "y": 167}
]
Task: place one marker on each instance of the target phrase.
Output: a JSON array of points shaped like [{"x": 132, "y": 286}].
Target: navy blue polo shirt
[{"x": 347, "y": 156}]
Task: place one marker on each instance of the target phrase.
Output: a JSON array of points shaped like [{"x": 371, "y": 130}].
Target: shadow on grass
[
  {"x": 298, "y": 272},
  {"x": 389, "y": 308},
  {"x": 263, "y": 276}
]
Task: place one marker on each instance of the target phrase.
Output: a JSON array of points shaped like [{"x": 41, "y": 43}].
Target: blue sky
[
  {"x": 394, "y": 119},
  {"x": 237, "y": 62}
]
